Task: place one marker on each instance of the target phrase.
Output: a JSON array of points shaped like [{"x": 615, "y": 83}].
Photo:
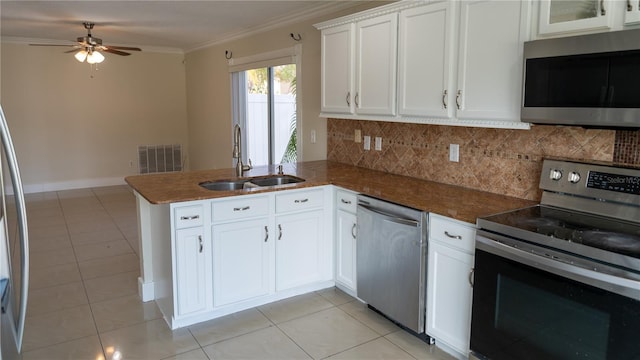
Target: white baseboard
[{"x": 68, "y": 185}]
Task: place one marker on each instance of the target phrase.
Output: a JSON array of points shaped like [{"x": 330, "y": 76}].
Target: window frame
[{"x": 238, "y": 66}]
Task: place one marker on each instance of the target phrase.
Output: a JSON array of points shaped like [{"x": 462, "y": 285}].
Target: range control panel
[
  {"x": 628, "y": 184},
  {"x": 591, "y": 180}
]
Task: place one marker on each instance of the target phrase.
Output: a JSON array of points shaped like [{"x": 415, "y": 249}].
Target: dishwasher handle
[{"x": 391, "y": 217}]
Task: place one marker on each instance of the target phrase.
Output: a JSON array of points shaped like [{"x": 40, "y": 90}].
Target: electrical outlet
[
  {"x": 313, "y": 136},
  {"x": 357, "y": 136},
  {"x": 367, "y": 142},
  {"x": 378, "y": 145},
  {"x": 454, "y": 152}
]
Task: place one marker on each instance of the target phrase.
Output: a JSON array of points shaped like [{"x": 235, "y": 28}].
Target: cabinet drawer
[
  {"x": 299, "y": 200},
  {"x": 347, "y": 201},
  {"x": 240, "y": 208},
  {"x": 452, "y": 233},
  {"x": 189, "y": 216}
]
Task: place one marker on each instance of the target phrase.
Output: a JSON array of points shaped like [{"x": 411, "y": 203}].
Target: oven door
[{"x": 528, "y": 306}]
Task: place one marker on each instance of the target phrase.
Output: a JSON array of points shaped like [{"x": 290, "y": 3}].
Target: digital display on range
[{"x": 614, "y": 182}]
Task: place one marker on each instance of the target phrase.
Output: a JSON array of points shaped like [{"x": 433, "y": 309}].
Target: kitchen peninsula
[{"x": 192, "y": 240}]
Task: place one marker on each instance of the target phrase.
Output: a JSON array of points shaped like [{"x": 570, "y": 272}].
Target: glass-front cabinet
[{"x": 561, "y": 16}]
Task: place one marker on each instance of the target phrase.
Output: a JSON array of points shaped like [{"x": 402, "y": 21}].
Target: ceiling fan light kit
[{"x": 88, "y": 47}]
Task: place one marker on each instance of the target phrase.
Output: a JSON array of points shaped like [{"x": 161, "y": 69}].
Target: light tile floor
[{"x": 83, "y": 301}]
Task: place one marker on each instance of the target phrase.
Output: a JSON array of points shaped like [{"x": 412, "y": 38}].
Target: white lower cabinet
[
  {"x": 299, "y": 254},
  {"x": 192, "y": 282},
  {"x": 346, "y": 249},
  {"x": 241, "y": 260},
  {"x": 449, "y": 291},
  {"x": 346, "y": 230}
]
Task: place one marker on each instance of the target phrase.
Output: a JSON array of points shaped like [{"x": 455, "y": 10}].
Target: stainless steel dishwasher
[{"x": 392, "y": 261}]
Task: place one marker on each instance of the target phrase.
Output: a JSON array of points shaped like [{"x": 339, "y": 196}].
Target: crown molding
[{"x": 315, "y": 12}]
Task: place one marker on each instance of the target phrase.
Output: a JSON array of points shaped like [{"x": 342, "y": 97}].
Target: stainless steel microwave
[{"x": 588, "y": 80}]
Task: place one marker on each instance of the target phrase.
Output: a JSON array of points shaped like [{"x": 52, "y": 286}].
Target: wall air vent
[{"x": 159, "y": 158}]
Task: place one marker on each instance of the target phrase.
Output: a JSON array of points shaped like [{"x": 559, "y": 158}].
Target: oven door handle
[{"x": 616, "y": 284}]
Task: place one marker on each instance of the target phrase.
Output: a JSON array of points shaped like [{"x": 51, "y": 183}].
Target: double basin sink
[{"x": 252, "y": 182}]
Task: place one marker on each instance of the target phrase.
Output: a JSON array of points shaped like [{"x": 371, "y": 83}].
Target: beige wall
[
  {"x": 209, "y": 91},
  {"x": 73, "y": 127}
]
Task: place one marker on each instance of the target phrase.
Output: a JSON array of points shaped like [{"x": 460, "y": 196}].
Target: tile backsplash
[{"x": 500, "y": 161}]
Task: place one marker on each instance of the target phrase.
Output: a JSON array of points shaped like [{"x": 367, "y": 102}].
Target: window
[{"x": 265, "y": 107}]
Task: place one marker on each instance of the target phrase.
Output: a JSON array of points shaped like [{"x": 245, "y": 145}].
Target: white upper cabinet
[
  {"x": 376, "y": 44},
  {"x": 473, "y": 79},
  {"x": 490, "y": 56},
  {"x": 338, "y": 60},
  {"x": 561, "y": 16},
  {"x": 632, "y": 12},
  {"x": 424, "y": 61}
]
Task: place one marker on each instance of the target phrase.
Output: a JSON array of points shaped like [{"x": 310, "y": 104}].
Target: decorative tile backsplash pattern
[
  {"x": 627, "y": 148},
  {"x": 495, "y": 160}
]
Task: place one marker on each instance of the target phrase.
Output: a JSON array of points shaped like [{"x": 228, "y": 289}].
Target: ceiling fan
[{"x": 89, "y": 47}]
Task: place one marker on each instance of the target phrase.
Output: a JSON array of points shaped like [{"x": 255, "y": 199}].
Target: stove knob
[
  {"x": 574, "y": 177},
  {"x": 555, "y": 175}
]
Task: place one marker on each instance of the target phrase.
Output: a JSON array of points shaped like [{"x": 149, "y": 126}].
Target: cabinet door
[
  {"x": 191, "y": 256},
  {"x": 424, "y": 61},
  {"x": 632, "y": 12},
  {"x": 346, "y": 249},
  {"x": 240, "y": 260},
  {"x": 490, "y": 59},
  {"x": 449, "y": 296},
  {"x": 376, "y": 65},
  {"x": 299, "y": 249},
  {"x": 337, "y": 69},
  {"x": 560, "y": 16}
]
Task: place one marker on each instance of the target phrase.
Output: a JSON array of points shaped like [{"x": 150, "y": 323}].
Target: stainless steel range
[{"x": 561, "y": 280}]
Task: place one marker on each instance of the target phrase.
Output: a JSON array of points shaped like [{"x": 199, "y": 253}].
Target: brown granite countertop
[{"x": 452, "y": 201}]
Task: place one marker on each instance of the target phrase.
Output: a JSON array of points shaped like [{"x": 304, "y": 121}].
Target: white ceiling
[{"x": 155, "y": 25}]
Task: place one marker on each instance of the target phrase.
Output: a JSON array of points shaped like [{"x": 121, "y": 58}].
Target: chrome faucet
[{"x": 237, "y": 145}]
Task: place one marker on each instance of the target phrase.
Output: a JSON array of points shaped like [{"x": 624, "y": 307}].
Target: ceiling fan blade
[
  {"x": 117, "y": 52},
  {"x": 123, "y": 48},
  {"x": 51, "y": 45}
]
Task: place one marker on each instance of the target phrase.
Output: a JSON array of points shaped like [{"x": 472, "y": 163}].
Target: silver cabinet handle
[
  {"x": 353, "y": 230},
  {"x": 200, "y": 241},
  {"x": 266, "y": 234},
  {"x": 471, "y": 280},
  {"x": 279, "y": 231},
  {"x": 241, "y": 208},
  {"x": 345, "y": 201},
  {"x": 629, "y": 7},
  {"x": 459, "y": 237},
  {"x": 192, "y": 217},
  {"x": 301, "y": 201},
  {"x": 458, "y": 96},
  {"x": 357, "y": 100},
  {"x": 603, "y": 11},
  {"x": 444, "y": 99},
  {"x": 349, "y": 99}
]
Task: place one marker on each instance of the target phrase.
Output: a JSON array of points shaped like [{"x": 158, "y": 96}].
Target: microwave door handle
[
  {"x": 603, "y": 96},
  {"x": 610, "y": 94}
]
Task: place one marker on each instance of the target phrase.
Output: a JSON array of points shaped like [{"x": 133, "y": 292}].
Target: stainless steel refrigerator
[{"x": 14, "y": 249}]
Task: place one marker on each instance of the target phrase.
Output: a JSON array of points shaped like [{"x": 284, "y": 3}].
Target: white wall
[
  {"x": 209, "y": 91},
  {"x": 77, "y": 127}
]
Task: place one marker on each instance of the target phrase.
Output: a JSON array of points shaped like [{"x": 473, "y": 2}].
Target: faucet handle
[
  {"x": 247, "y": 167},
  {"x": 280, "y": 172}
]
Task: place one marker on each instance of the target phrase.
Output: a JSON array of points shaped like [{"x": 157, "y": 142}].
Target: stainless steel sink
[
  {"x": 275, "y": 180},
  {"x": 258, "y": 181},
  {"x": 224, "y": 185}
]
